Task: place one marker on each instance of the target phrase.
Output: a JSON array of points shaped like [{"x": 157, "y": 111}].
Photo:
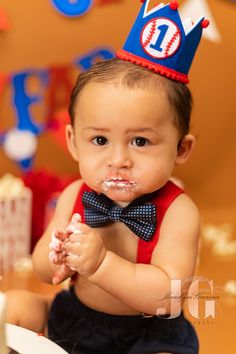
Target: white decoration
[
  {"x": 19, "y": 144},
  {"x": 25, "y": 341},
  {"x": 199, "y": 8},
  {"x": 230, "y": 287},
  {"x": 3, "y": 347},
  {"x": 15, "y": 222}
]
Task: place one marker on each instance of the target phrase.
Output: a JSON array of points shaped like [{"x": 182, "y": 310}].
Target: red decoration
[
  {"x": 205, "y": 23},
  {"x": 4, "y": 79},
  {"x": 43, "y": 185},
  {"x": 174, "y": 5},
  {"x": 58, "y": 123},
  {"x": 4, "y": 22},
  {"x": 59, "y": 89}
]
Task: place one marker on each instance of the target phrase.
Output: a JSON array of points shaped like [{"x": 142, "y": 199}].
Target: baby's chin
[{"x": 121, "y": 196}]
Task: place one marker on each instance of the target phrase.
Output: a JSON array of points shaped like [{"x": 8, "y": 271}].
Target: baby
[{"x": 136, "y": 230}]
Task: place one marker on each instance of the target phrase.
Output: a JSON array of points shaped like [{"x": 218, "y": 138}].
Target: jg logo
[
  {"x": 194, "y": 297},
  {"x": 72, "y": 8}
]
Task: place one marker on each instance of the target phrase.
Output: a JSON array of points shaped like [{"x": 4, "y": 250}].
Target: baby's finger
[
  {"x": 74, "y": 238},
  {"x": 56, "y": 258},
  {"x": 76, "y": 218},
  {"x": 74, "y": 223},
  {"x": 61, "y": 234},
  {"x": 79, "y": 229},
  {"x": 55, "y": 243},
  {"x": 73, "y": 248},
  {"x": 61, "y": 274},
  {"x": 72, "y": 261}
]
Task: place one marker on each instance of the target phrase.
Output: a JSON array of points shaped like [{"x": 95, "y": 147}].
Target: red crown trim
[{"x": 162, "y": 70}]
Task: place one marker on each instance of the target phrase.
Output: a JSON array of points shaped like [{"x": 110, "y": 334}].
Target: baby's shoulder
[
  {"x": 68, "y": 197},
  {"x": 183, "y": 208},
  {"x": 72, "y": 189},
  {"x": 182, "y": 217}
]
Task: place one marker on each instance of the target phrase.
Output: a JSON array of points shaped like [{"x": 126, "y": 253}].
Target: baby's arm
[
  {"x": 144, "y": 286},
  {"x": 62, "y": 216}
]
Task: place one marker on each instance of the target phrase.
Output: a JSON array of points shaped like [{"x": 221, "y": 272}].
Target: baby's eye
[
  {"x": 100, "y": 140},
  {"x": 140, "y": 141}
]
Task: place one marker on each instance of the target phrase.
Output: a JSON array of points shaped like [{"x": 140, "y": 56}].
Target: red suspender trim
[
  {"x": 78, "y": 206},
  {"x": 165, "y": 196}
]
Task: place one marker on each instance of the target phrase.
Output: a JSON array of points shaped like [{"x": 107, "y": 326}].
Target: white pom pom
[{"x": 20, "y": 144}]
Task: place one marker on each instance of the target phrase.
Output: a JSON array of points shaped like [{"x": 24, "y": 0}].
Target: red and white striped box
[{"x": 15, "y": 221}]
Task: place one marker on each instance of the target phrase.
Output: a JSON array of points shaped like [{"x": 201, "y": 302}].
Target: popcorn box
[{"x": 15, "y": 221}]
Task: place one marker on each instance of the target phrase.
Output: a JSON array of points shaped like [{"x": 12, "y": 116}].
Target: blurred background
[{"x": 44, "y": 44}]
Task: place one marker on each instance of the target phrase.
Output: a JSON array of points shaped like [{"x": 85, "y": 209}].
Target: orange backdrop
[{"x": 40, "y": 36}]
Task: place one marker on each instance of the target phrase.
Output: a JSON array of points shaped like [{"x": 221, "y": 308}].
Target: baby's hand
[
  {"x": 58, "y": 251},
  {"x": 85, "y": 250},
  {"x": 57, "y": 244},
  {"x": 57, "y": 254}
]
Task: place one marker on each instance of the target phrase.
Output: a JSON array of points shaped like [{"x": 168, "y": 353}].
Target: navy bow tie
[{"x": 139, "y": 216}]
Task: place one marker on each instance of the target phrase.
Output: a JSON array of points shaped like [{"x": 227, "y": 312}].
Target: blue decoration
[
  {"x": 22, "y": 100},
  {"x": 26, "y": 164},
  {"x": 86, "y": 61},
  {"x": 2, "y": 136},
  {"x": 73, "y": 8}
]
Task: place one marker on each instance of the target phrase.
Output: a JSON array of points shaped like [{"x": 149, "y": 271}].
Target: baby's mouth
[{"x": 119, "y": 182}]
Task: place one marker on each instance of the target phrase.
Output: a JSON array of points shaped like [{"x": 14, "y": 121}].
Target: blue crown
[{"x": 161, "y": 42}]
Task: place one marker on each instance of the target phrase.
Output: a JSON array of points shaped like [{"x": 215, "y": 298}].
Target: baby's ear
[
  {"x": 71, "y": 143},
  {"x": 185, "y": 148}
]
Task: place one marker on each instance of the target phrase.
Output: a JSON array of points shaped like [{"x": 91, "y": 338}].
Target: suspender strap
[
  {"x": 165, "y": 196},
  {"x": 78, "y": 206}
]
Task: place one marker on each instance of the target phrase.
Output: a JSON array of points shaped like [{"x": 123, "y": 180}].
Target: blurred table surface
[{"x": 216, "y": 335}]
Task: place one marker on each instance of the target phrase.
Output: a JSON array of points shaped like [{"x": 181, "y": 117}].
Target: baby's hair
[{"x": 132, "y": 76}]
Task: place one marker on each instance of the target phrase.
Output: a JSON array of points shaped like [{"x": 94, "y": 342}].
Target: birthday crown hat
[{"x": 161, "y": 42}]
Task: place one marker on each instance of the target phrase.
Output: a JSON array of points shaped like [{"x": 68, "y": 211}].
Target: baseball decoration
[
  {"x": 160, "y": 41},
  {"x": 160, "y": 38}
]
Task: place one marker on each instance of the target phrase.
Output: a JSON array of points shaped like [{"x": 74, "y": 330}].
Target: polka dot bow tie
[{"x": 139, "y": 216}]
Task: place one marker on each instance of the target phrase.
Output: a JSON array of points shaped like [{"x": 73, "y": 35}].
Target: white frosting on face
[{"x": 119, "y": 183}]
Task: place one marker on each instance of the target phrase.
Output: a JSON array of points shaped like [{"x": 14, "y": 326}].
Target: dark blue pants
[{"x": 81, "y": 330}]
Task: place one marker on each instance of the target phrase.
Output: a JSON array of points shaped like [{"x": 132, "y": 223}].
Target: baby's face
[{"x": 124, "y": 140}]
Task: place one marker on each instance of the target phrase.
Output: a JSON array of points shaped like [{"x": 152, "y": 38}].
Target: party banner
[{"x": 55, "y": 85}]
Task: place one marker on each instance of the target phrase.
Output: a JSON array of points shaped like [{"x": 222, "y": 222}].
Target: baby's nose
[{"x": 120, "y": 158}]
